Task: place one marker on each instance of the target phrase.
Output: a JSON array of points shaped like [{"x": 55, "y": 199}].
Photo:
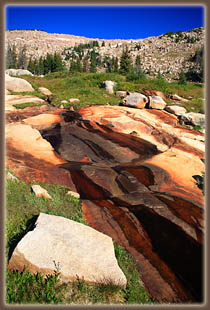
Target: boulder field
[{"x": 134, "y": 170}]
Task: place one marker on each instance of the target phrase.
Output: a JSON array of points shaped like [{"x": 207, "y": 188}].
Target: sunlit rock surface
[{"x": 134, "y": 170}]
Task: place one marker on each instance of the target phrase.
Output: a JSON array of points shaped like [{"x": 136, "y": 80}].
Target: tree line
[
  {"x": 78, "y": 61},
  {"x": 91, "y": 61}
]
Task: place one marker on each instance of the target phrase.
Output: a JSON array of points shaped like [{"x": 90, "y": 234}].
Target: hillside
[{"x": 167, "y": 54}]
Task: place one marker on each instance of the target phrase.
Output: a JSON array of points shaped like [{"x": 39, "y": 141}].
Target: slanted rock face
[
  {"x": 134, "y": 170},
  {"x": 75, "y": 249},
  {"x": 17, "y": 84},
  {"x": 32, "y": 158},
  {"x": 43, "y": 121},
  {"x": 109, "y": 86},
  {"x": 135, "y": 100},
  {"x": 156, "y": 102}
]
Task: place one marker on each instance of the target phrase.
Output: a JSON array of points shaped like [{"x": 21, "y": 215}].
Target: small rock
[
  {"x": 175, "y": 109},
  {"x": 74, "y": 100},
  {"x": 135, "y": 100},
  {"x": 40, "y": 192},
  {"x": 74, "y": 194},
  {"x": 121, "y": 93},
  {"x": 12, "y": 177},
  {"x": 64, "y": 101},
  {"x": 109, "y": 86},
  {"x": 61, "y": 106},
  {"x": 44, "y": 91},
  {"x": 176, "y": 97},
  {"x": 150, "y": 92},
  {"x": 156, "y": 102}
]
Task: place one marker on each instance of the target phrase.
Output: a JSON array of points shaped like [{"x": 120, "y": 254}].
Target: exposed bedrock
[{"x": 137, "y": 187}]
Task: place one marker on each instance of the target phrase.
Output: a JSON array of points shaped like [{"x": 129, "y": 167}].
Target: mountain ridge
[{"x": 168, "y": 53}]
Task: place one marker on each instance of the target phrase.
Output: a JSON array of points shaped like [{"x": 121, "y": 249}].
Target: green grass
[
  {"x": 22, "y": 208},
  {"x": 27, "y": 104},
  {"x": 88, "y": 88}
]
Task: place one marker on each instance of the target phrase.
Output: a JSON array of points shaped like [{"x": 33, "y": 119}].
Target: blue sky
[{"x": 105, "y": 22}]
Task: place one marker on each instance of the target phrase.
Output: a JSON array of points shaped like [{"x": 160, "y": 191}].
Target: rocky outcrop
[
  {"x": 74, "y": 249},
  {"x": 135, "y": 100},
  {"x": 17, "y": 84},
  {"x": 134, "y": 170},
  {"x": 165, "y": 54},
  {"x": 31, "y": 157}
]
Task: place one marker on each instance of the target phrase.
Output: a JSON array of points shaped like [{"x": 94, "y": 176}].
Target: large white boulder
[
  {"x": 17, "y": 84},
  {"x": 76, "y": 250},
  {"x": 18, "y": 72}
]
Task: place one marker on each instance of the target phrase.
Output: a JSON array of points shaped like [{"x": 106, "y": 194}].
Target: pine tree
[
  {"x": 103, "y": 44},
  {"x": 86, "y": 64},
  {"x": 93, "y": 67},
  {"x": 125, "y": 62},
  {"x": 73, "y": 66},
  {"x": 48, "y": 63},
  {"x": 41, "y": 66},
  {"x": 14, "y": 55},
  {"x": 36, "y": 67},
  {"x": 182, "y": 78},
  {"x": 116, "y": 67},
  {"x": 79, "y": 65},
  {"x": 11, "y": 57},
  {"x": 138, "y": 64},
  {"x": 57, "y": 63},
  {"x": 22, "y": 58},
  {"x": 30, "y": 66}
]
